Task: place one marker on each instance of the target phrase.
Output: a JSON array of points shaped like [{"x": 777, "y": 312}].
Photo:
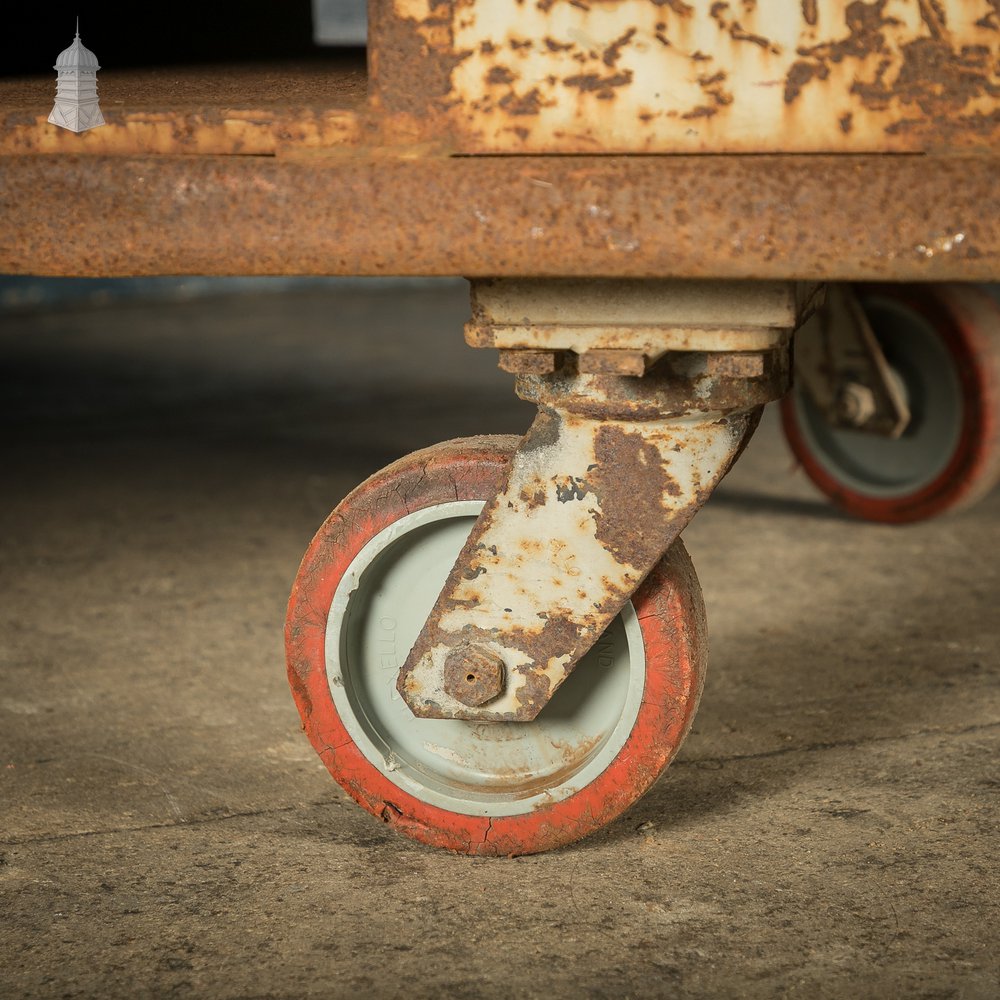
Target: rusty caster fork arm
[
  {"x": 610, "y": 472},
  {"x": 598, "y": 489}
]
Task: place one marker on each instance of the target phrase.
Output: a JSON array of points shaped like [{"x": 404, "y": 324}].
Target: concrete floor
[{"x": 829, "y": 829}]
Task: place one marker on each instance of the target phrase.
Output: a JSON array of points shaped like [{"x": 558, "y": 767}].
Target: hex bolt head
[{"x": 473, "y": 675}]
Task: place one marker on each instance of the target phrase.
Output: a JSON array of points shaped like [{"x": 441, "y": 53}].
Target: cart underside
[{"x": 648, "y": 200}]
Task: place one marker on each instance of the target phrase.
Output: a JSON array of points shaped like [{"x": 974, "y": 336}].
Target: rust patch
[
  {"x": 602, "y": 87},
  {"x": 937, "y": 79},
  {"x": 613, "y": 51},
  {"x": 712, "y": 86},
  {"x": 716, "y": 11},
  {"x": 739, "y": 34},
  {"x": 532, "y": 498},
  {"x": 933, "y": 15},
  {"x": 500, "y": 75},
  {"x": 865, "y": 23},
  {"x": 553, "y": 46},
  {"x": 535, "y": 691},
  {"x": 719, "y": 11},
  {"x": 629, "y": 483},
  {"x": 952, "y": 128},
  {"x": 940, "y": 81},
  {"x": 525, "y": 104},
  {"x": 991, "y": 20},
  {"x": 665, "y": 391},
  {"x": 845, "y": 121},
  {"x": 799, "y": 75},
  {"x": 559, "y": 636},
  {"x": 810, "y": 13},
  {"x": 702, "y": 111},
  {"x": 409, "y": 66}
]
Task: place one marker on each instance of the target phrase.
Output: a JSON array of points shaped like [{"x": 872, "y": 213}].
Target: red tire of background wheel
[
  {"x": 671, "y": 619},
  {"x": 967, "y": 320}
]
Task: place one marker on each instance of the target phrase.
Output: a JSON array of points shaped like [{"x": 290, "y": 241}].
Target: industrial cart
[{"x": 498, "y": 644}]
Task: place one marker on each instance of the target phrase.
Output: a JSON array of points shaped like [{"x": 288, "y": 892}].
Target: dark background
[{"x": 138, "y": 34}]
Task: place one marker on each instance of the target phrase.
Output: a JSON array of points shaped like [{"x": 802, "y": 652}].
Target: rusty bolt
[
  {"x": 855, "y": 404},
  {"x": 612, "y": 362},
  {"x": 526, "y": 362},
  {"x": 473, "y": 675},
  {"x": 735, "y": 365}
]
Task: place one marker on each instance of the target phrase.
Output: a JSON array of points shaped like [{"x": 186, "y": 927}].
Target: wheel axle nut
[
  {"x": 473, "y": 675},
  {"x": 856, "y": 404}
]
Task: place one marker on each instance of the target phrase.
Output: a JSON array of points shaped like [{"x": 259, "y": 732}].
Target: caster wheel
[
  {"x": 943, "y": 344},
  {"x": 365, "y": 587}
]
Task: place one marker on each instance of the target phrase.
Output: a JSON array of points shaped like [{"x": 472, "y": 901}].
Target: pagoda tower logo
[{"x": 76, "y": 106}]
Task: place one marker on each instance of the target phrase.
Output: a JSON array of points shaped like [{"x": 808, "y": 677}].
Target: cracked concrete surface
[{"x": 828, "y": 830}]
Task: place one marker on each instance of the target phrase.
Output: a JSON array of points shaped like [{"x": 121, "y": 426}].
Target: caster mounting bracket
[{"x": 612, "y": 469}]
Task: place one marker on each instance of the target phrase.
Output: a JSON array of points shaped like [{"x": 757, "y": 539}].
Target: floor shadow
[
  {"x": 876, "y": 698},
  {"x": 746, "y": 500}
]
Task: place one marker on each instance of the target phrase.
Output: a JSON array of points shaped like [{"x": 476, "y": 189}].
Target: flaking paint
[{"x": 711, "y": 75}]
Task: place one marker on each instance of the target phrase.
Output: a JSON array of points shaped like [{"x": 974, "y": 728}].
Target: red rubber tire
[
  {"x": 966, "y": 321},
  {"x": 671, "y": 618}
]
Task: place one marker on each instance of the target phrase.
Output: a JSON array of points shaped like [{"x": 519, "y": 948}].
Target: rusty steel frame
[
  {"x": 835, "y": 218},
  {"x": 347, "y": 169}
]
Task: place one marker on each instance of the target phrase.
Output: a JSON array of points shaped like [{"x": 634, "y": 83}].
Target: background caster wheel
[
  {"x": 366, "y": 584},
  {"x": 943, "y": 343}
]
